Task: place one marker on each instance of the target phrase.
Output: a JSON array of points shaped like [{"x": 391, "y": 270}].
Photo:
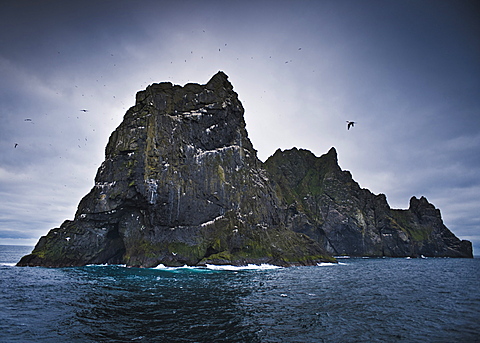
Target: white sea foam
[
  {"x": 160, "y": 266},
  {"x": 107, "y": 265},
  {"x": 328, "y": 264},
  {"x": 262, "y": 266},
  {"x": 220, "y": 267},
  {"x": 164, "y": 267},
  {"x": 180, "y": 269},
  {"x": 6, "y": 264}
]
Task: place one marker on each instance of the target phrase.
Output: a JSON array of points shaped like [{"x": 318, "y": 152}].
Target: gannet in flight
[{"x": 350, "y": 124}]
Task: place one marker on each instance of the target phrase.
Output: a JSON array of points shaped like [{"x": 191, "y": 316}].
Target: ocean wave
[
  {"x": 329, "y": 264},
  {"x": 107, "y": 265},
  {"x": 163, "y": 267},
  {"x": 220, "y": 267},
  {"x": 262, "y": 266}
]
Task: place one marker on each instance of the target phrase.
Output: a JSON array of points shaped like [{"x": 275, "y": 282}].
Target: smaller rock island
[{"x": 181, "y": 184}]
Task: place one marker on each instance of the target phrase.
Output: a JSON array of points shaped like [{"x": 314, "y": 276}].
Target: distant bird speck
[
  {"x": 83, "y": 110},
  {"x": 350, "y": 124},
  {"x": 28, "y": 119},
  {"x": 16, "y": 144}
]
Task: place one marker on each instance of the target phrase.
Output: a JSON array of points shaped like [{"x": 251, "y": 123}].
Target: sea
[{"x": 355, "y": 300}]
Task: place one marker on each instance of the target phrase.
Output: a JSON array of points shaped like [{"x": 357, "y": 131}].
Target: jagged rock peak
[
  {"x": 332, "y": 153},
  {"x": 212, "y": 108},
  {"x": 325, "y": 203},
  {"x": 173, "y": 99},
  {"x": 219, "y": 80},
  {"x": 422, "y": 203},
  {"x": 302, "y": 160},
  {"x": 180, "y": 184}
]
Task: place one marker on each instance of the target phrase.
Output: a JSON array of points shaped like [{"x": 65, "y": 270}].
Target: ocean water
[{"x": 357, "y": 300}]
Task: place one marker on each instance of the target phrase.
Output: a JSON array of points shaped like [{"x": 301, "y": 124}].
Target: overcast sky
[{"x": 408, "y": 72}]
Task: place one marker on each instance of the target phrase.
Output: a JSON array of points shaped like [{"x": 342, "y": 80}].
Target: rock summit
[{"x": 181, "y": 184}]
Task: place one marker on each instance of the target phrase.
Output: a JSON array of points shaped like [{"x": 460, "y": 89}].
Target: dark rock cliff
[
  {"x": 326, "y": 204},
  {"x": 181, "y": 184}
]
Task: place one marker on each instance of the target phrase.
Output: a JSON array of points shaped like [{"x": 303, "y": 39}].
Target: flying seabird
[
  {"x": 350, "y": 124},
  {"x": 28, "y": 119},
  {"x": 83, "y": 110},
  {"x": 16, "y": 144}
]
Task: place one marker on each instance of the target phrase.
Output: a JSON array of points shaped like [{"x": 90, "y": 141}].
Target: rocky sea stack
[
  {"x": 181, "y": 184},
  {"x": 326, "y": 204}
]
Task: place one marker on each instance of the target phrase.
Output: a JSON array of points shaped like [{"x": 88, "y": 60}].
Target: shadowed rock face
[
  {"x": 180, "y": 184},
  {"x": 326, "y": 204}
]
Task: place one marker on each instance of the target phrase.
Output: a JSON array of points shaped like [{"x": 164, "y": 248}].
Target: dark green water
[{"x": 359, "y": 300}]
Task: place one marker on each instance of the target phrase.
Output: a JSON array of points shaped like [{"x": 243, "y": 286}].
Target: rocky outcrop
[
  {"x": 181, "y": 184},
  {"x": 326, "y": 204}
]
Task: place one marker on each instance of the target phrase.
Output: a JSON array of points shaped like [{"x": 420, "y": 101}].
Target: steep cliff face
[
  {"x": 326, "y": 204},
  {"x": 180, "y": 184}
]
